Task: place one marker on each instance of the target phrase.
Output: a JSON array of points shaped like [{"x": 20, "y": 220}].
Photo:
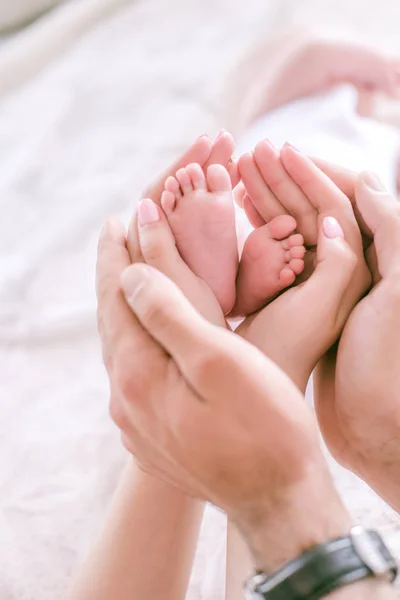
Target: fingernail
[
  {"x": 219, "y": 135},
  {"x": 147, "y": 212},
  {"x": 204, "y": 135},
  {"x": 372, "y": 181},
  {"x": 288, "y": 145},
  {"x": 332, "y": 229}
]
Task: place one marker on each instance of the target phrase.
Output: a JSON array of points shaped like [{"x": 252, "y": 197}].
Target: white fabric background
[
  {"x": 77, "y": 144},
  {"x": 19, "y": 12}
]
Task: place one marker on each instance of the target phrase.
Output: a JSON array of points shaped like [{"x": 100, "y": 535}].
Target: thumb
[
  {"x": 381, "y": 212},
  {"x": 158, "y": 246},
  {"x": 336, "y": 263},
  {"x": 165, "y": 313},
  {"x": 158, "y": 249},
  {"x": 157, "y": 243}
]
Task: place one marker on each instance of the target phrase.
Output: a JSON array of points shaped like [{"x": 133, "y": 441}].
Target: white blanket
[{"x": 77, "y": 144}]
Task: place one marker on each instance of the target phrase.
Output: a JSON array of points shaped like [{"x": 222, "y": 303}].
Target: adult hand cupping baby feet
[
  {"x": 177, "y": 381},
  {"x": 300, "y": 325},
  {"x": 357, "y": 392}
]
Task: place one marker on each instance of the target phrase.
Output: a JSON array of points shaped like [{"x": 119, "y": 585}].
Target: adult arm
[
  {"x": 275, "y": 487},
  {"x": 357, "y": 384},
  {"x": 132, "y": 557}
]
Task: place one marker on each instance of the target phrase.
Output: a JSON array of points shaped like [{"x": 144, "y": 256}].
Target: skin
[
  {"x": 358, "y": 407},
  {"x": 204, "y": 153},
  {"x": 189, "y": 402},
  {"x": 297, "y": 318},
  {"x": 358, "y": 410},
  {"x": 155, "y": 500},
  {"x": 337, "y": 265},
  {"x": 300, "y": 63},
  {"x": 116, "y": 324},
  {"x": 178, "y": 340}
]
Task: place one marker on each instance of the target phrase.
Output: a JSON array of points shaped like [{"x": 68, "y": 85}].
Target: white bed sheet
[{"x": 77, "y": 144}]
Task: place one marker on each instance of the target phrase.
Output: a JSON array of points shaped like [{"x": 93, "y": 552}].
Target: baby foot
[
  {"x": 271, "y": 260},
  {"x": 201, "y": 215}
]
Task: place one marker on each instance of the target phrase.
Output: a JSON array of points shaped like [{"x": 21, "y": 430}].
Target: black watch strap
[{"x": 328, "y": 567}]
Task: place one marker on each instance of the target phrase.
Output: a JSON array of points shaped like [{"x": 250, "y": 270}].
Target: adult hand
[
  {"x": 204, "y": 152},
  {"x": 297, "y": 328},
  {"x": 204, "y": 409},
  {"x": 357, "y": 385}
]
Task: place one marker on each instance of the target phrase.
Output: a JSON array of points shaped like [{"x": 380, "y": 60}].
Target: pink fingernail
[
  {"x": 203, "y": 135},
  {"x": 147, "y": 212},
  {"x": 288, "y": 145},
  {"x": 332, "y": 228}
]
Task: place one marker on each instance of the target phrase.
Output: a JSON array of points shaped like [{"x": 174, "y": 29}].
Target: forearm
[
  {"x": 147, "y": 547},
  {"x": 239, "y": 564},
  {"x": 312, "y": 517}
]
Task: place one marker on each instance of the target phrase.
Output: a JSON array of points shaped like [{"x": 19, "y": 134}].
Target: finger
[
  {"x": 288, "y": 193},
  {"x": 381, "y": 212},
  {"x": 199, "y": 152},
  {"x": 222, "y": 150},
  {"x": 156, "y": 239},
  {"x": 238, "y": 194},
  {"x": 335, "y": 269},
  {"x": 218, "y": 365},
  {"x": 262, "y": 197},
  {"x": 254, "y": 217},
  {"x": 164, "y": 312},
  {"x": 323, "y": 194},
  {"x": 335, "y": 258},
  {"x": 233, "y": 170},
  {"x": 346, "y": 182},
  {"x": 325, "y": 403},
  {"x": 342, "y": 177},
  {"x": 158, "y": 247},
  {"x": 117, "y": 324}
]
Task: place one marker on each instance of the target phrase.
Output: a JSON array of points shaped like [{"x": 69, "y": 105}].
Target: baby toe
[
  {"x": 282, "y": 226},
  {"x": 168, "y": 201},
  {"x": 185, "y": 181},
  {"x": 287, "y": 277},
  {"x": 297, "y": 265},
  {"x": 296, "y": 240},
  {"x": 218, "y": 179},
  {"x": 172, "y": 185},
  {"x": 197, "y": 176},
  {"x": 297, "y": 252}
]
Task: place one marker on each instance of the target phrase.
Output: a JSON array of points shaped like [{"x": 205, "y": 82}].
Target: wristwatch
[{"x": 325, "y": 568}]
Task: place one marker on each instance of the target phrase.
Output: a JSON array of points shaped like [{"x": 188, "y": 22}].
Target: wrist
[
  {"x": 368, "y": 589},
  {"x": 308, "y": 517}
]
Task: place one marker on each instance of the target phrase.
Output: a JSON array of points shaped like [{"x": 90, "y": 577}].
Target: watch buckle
[{"x": 368, "y": 553}]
